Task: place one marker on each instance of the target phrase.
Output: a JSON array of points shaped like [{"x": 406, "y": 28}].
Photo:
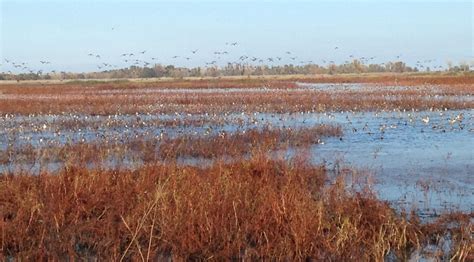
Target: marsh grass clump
[
  {"x": 257, "y": 208},
  {"x": 242, "y": 142},
  {"x": 250, "y": 209},
  {"x": 141, "y": 149}
]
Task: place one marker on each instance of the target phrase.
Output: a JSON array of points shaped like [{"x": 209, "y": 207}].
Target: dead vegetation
[
  {"x": 218, "y": 102},
  {"x": 150, "y": 148},
  {"x": 250, "y": 209}
]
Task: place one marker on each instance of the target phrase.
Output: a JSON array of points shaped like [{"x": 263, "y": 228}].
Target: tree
[{"x": 148, "y": 73}]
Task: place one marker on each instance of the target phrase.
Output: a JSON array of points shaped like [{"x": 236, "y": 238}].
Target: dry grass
[
  {"x": 282, "y": 95},
  {"x": 259, "y": 208},
  {"x": 240, "y": 143},
  {"x": 395, "y": 79},
  {"x": 141, "y": 149},
  {"x": 218, "y": 102}
]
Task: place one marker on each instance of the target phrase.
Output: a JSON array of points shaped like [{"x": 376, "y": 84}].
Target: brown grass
[
  {"x": 283, "y": 96},
  {"x": 250, "y": 209},
  {"x": 395, "y": 79},
  {"x": 147, "y": 148},
  {"x": 284, "y": 101},
  {"x": 240, "y": 143}
]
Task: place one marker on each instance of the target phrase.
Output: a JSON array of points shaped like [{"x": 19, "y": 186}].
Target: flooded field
[
  {"x": 416, "y": 159},
  {"x": 386, "y": 147}
]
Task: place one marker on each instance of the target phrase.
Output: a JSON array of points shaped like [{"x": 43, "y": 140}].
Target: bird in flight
[
  {"x": 194, "y": 51},
  {"x": 335, "y": 48},
  {"x": 143, "y": 52}
]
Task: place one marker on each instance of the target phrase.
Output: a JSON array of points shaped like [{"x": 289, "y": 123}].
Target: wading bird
[{"x": 426, "y": 119}]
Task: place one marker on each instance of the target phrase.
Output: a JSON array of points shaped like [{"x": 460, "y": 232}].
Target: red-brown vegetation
[{"x": 254, "y": 208}]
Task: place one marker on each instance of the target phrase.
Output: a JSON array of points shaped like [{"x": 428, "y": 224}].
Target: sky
[{"x": 65, "y": 32}]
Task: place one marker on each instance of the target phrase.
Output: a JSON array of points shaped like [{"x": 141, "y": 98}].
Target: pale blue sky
[{"x": 64, "y": 32}]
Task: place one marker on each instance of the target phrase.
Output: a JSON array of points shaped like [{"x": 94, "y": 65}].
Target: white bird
[{"x": 426, "y": 120}]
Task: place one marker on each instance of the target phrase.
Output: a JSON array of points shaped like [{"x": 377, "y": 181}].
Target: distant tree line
[{"x": 231, "y": 69}]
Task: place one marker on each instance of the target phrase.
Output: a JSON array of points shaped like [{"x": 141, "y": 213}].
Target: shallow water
[{"x": 413, "y": 164}]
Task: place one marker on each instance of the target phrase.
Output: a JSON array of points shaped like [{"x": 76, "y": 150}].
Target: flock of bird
[
  {"x": 147, "y": 122},
  {"x": 218, "y": 57}
]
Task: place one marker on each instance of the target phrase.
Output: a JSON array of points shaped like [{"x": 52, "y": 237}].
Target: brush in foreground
[{"x": 257, "y": 208}]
